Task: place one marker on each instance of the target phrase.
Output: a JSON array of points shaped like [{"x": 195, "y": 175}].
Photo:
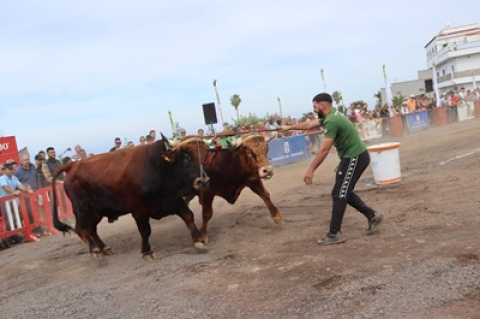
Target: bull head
[{"x": 265, "y": 169}]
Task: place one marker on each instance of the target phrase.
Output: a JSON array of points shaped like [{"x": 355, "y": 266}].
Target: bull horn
[
  {"x": 236, "y": 141},
  {"x": 170, "y": 144},
  {"x": 211, "y": 140}
]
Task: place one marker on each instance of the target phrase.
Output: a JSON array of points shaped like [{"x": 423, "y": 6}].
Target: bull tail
[{"x": 64, "y": 228}]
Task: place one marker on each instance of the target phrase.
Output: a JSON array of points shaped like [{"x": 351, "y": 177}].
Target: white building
[{"x": 455, "y": 52}]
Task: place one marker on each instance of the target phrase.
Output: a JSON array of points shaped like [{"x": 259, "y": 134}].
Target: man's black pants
[{"x": 348, "y": 173}]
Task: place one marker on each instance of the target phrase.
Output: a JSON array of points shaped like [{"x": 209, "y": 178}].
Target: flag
[
  {"x": 218, "y": 108},
  {"x": 435, "y": 84},
  {"x": 325, "y": 88},
  {"x": 388, "y": 92},
  {"x": 174, "y": 132}
]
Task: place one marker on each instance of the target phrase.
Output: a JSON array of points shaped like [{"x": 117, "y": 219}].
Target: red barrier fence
[{"x": 24, "y": 213}]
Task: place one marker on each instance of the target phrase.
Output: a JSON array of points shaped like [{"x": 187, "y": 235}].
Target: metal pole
[{"x": 280, "y": 107}]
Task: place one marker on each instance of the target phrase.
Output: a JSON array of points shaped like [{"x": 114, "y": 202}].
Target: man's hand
[
  {"x": 308, "y": 179},
  {"x": 283, "y": 127},
  {"x": 17, "y": 192}
]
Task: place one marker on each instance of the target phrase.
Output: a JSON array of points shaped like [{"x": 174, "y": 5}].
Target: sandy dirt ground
[{"x": 423, "y": 263}]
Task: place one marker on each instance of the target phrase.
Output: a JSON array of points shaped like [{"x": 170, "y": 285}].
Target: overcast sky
[{"x": 84, "y": 72}]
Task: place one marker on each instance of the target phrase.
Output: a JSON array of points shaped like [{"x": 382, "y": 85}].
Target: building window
[
  {"x": 443, "y": 72},
  {"x": 453, "y": 68}
]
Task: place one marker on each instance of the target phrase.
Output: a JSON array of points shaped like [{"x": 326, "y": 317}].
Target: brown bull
[
  {"x": 147, "y": 181},
  {"x": 232, "y": 170}
]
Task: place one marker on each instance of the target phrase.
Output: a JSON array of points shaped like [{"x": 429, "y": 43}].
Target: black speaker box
[
  {"x": 428, "y": 86},
  {"x": 209, "y": 113}
]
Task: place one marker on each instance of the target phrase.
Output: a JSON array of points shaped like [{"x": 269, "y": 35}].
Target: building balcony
[
  {"x": 459, "y": 75},
  {"x": 454, "y": 50}
]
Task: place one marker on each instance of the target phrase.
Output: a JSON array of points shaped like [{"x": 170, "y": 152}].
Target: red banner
[{"x": 8, "y": 149}]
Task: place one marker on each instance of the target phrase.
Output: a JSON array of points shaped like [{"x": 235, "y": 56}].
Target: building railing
[{"x": 459, "y": 74}]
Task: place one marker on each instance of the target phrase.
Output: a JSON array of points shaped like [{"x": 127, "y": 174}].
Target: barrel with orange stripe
[{"x": 385, "y": 162}]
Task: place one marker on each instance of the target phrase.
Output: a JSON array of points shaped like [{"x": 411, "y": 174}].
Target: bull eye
[{"x": 249, "y": 153}]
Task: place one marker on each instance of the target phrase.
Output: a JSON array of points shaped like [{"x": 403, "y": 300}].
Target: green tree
[
  {"x": 337, "y": 97},
  {"x": 235, "y": 100},
  {"x": 398, "y": 100},
  {"x": 361, "y": 102},
  {"x": 251, "y": 118}
]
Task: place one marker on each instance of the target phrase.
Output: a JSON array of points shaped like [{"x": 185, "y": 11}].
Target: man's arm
[
  {"x": 319, "y": 158},
  {"x": 11, "y": 191},
  {"x": 25, "y": 188},
  {"x": 46, "y": 173},
  {"x": 300, "y": 126}
]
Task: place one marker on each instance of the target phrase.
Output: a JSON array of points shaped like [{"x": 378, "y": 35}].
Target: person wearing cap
[
  {"x": 411, "y": 104},
  {"x": 10, "y": 185},
  {"x": 39, "y": 161},
  {"x": 354, "y": 159}
]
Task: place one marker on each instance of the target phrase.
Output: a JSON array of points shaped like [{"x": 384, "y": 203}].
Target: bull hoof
[
  {"x": 150, "y": 257},
  {"x": 200, "y": 247},
  {"x": 108, "y": 251},
  {"x": 279, "y": 220},
  {"x": 96, "y": 256}
]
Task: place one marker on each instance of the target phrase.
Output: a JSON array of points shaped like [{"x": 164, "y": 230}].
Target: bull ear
[{"x": 168, "y": 157}]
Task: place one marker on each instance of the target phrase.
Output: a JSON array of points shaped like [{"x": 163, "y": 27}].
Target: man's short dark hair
[
  {"x": 50, "y": 148},
  {"x": 322, "y": 97},
  {"x": 149, "y": 138},
  {"x": 117, "y": 139},
  {"x": 8, "y": 166},
  {"x": 38, "y": 157}
]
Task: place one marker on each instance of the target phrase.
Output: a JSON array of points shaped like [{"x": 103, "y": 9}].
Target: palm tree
[
  {"x": 337, "y": 97},
  {"x": 235, "y": 100},
  {"x": 398, "y": 100}
]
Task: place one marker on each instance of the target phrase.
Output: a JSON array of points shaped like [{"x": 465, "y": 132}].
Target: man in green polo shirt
[{"x": 354, "y": 159}]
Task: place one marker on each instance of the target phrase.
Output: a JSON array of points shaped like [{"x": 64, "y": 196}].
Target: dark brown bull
[
  {"x": 146, "y": 181},
  {"x": 232, "y": 170}
]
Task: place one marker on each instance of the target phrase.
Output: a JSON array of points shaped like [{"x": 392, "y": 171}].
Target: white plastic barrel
[{"x": 385, "y": 162}]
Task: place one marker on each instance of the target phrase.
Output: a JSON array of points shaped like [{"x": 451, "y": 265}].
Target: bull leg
[
  {"x": 86, "y": 230},
  {"x": 104, "y": 248},
  {"x": 143, "y": 224},
  {"x": 259, "y": 189},
  {"x": 187, "y": 216},
  {"x": 207, "y": 211}
]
